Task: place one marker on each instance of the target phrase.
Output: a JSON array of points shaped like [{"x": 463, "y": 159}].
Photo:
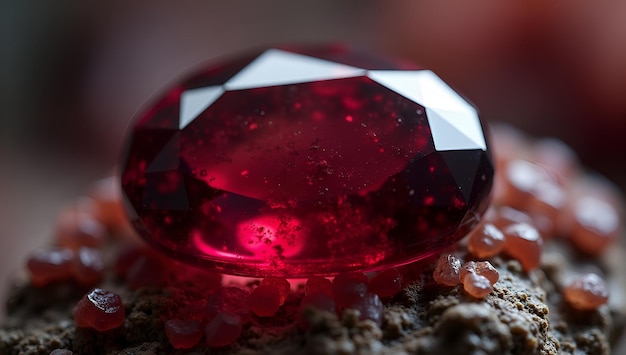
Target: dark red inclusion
[{"x": 301, "y": 179}]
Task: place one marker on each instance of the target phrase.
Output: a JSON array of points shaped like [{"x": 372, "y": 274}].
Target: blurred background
[{"x": 73, "y": 73}]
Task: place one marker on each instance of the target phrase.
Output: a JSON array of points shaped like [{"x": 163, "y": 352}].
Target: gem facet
[{"x": 300, "y": 163}]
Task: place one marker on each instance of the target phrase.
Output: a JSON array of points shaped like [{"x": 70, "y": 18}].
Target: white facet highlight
[
  {"x": 452, "y": 130},
  {"x": 423, "y": 87},
  {"x": 437, "y": 94},
  {"x": 194, "y": 101},
  {"x": 277, "y": 67},
  {"x": 405, "y": 83},
  {"x": 454, "y": 123}
]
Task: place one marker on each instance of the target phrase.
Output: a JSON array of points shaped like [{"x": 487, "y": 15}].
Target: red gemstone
[
  {"x": 318, "y": 284},
  {"x": 265, "y": 300},
  {"x": 183, "y": 334},
  {"x": 279, "y": 283},
  {"x": 99, "y": 309},
  {"x": 50, "y": 265},
  {"x": 386, "y": 283},
  {"x": 300, "y": 163},
  {"x": 348, "y": 287}
]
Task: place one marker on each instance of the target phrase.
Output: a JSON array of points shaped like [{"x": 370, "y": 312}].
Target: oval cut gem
[{"x": 306, "y": 162}]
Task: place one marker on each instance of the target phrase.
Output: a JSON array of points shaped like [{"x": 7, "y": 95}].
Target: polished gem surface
[{"x": 294, "y": 162}]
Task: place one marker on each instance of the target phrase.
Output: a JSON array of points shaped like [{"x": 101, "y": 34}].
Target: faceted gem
[{"x": 306, "y": 162}]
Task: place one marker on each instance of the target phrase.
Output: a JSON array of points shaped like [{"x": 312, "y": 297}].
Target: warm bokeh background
[{"x": 73, "y": 73}]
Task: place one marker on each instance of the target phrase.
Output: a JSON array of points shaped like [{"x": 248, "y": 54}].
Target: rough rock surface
[{"x": 524, "y": 314}]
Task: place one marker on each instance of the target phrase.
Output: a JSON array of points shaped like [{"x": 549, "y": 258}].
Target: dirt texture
[{"x": 525, "y": 314}]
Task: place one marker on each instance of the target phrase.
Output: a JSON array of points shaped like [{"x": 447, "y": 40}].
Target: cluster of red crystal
[
  {"x": 99, "y": 309},
  {"x": 81, "y": 230},
  {"x": 56, "y": 264},
  {"x": 541, "y": 193},
  {"x": 221, "y": 317},
  {"x": 353, "y": 291},
  {"x": 245, "y": 167},
  {"x": 477, "y": 278},
  {"x": 519, "y": 238},
  {"x": 541, "y": 183}
]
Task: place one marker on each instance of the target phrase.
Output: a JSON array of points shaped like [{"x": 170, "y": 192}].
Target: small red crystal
[
  {"x": 183, "y": 334},
  {"x": 99, "y": 309},
  {"x": 306, "y": 162},
  {"x": 524, "y": 243},
  {"x": 586, "y": 292},
  {"x": 477, "y": 286},
  {"x": 594, "y": 224},
  {"x": 280, "y": 284},
  {"x": 265, "y": 300},
  {"x": 318, "y": 284},
  {"x": 386, "y": 283},
  {"x": 348, "y": 287},
  {"x": 447, "y": 270},
  {"x": 482, "y": 268},
  {"x": 107, "y": 196},
  {"x": 50, "y": 265},
  {"x": 76, "y": 229},
  {"x": 486, "y": 241}
]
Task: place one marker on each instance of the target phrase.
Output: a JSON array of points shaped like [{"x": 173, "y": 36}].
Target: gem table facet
[{"x": 292, "y": 162}]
